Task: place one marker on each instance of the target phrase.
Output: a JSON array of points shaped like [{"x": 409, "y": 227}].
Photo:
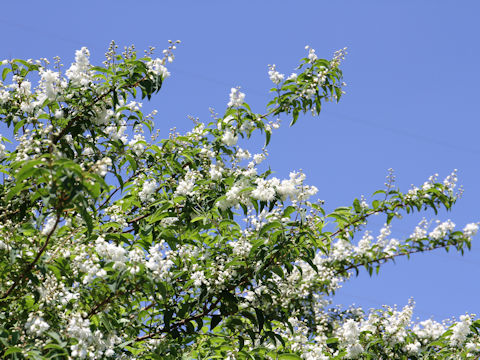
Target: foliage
[{"x": 118, "y": 246}]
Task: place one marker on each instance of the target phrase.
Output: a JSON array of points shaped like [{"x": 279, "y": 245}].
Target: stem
[{"x": 32, "y": 264}]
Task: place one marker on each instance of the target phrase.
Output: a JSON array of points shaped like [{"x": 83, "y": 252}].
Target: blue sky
[{"x": 411, "y": 103}]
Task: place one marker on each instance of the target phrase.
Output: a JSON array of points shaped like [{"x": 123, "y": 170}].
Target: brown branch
[
  {"x": 385, "y": 258},
  {"x": 205, "y": 312},
  {"x": 32, "y": 264}
]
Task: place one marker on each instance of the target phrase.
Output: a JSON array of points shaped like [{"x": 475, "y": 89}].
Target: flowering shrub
[{"x": 117, "y": 245}]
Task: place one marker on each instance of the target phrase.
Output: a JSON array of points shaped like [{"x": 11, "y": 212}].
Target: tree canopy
[{"x": 118, "y": 243}]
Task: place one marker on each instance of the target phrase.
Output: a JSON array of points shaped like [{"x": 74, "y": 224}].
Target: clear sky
[{"x": 413, "y": 80}]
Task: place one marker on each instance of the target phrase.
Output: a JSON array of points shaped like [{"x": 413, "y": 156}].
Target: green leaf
[
  {"x": 5, "y": 73},
  {"x": 12, "y": 350},
  {"x": 215, "y": 321},
  {"x": 260, "y": 318},
  {"x": 289, "y": 356},
  {"x": 356, "y": 205},
  {"x": 269, "y": 226},
  {"x": 268, "y": 136}
]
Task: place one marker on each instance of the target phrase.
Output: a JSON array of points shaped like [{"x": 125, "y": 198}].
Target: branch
[
  {"x": 32, "y": 264},
  {"x": 205, "y": 312}
]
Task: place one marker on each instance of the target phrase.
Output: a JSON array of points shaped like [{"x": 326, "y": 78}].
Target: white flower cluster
[
  {"x": 229, "y": 138},
  {"x": 428, "y": 330},
  {"x": 216, "y": 172},
  {"x": 396, "y": 324},
  {"x": 460, "y": 331},
  {"x": 36, "y": 325},
  {"x": 111, "y": 252},
  {"x": 420, "y": 231},
  {"x": 470, "y": 230},
  {"x": 103, "y": 116},
  {"x": 102, "y": 165},
  {"x": 349, "y": 336},
  {"x": 236, "y": 98},
  {"x": 274, "y": 75},
  {"x": 186, "y": 185},
  {"x": 137, "y": 145},
  {"x": 51, "y": 84},
  {"x": 442, "y": 229},
  {"x": 235, "y": 196},
  {"x": 311, "y": 54},
  {"x": 90, "y": 345},
  {"x": 148, "y": 189},
  {"x": 79, "y": 72},
  {"x": 117, "y": 131},
  {"x": 241, "y": 247},
  {"x": 117, "y": 215},
  {"x": 53, "y": 291},
  {"x": 267, "y": 189},
  {"x": 159, "y": 260},
  {"x": 4, "y": 96},
  {"x": 158, "y": 68},
  {"x": 88, "y": 264}
]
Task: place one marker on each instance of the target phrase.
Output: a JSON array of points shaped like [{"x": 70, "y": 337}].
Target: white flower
[
  {"x": 49, "y": 82},
  {"x": 442, "y": 229},
  {"x": 36, "y": 325},
  {"x": 242, "y": 154},
  {"x": 198, "y": 278},
  {"x": 49, "y": 225},
  {"x": 101, "y": 166},
  {"x": 79, "y": 71},
  {"x": 258, "y": 158},
  {"x": 59, "y": 114},
  {"x": 470, "y": 230},
  {"x": 117, "y": 132},
  {"x": 263, "y": 192},
  {"x": 236, "y": 98},
  {"x": 186, "y": 185},
  {"x": 215, "y": 172},
  {"x": 156, "y": 66},
  {"x": 460, "y": 331},
  {"x": 25, "y": 88},
  {"x": 3, "y": 152},
  {"x": 148, "y": 190},
  {"x": 229, "y": 138},
  {"x": 4, "y": 96},
  {"x": 429, "y": 329},
  {"x": 293, "y": 76},
  {"x": 311, "y": 54},
  {"x": 451, "y": 180},
  {"x": 111, "y": 252},
  {"x": 137, "y": 144},
  {"x": 159, "y": 260},
  {"x": 274, "y": 75}
]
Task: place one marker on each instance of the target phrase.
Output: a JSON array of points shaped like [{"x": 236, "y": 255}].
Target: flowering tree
[{"x": 118, "y": 246}]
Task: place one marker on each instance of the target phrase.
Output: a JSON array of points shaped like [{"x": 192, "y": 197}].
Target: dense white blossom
[
  {"x": 187, "y": 184},
  {"x": 264, "y": 191},
  {"x": 460, "y": 331},
  {"x": 148, "y": 189},
  {"x": 442, "y": 229},
  {"x": 137, "y": 144},
  {"x": 36, "y": 324},
  {"x": 158, "y": 68},
  {"x": 274, "y": 75},
  {"x": 102, "y": 165},
  {"x": 79, "y": 71},
  {"x": 236, "y": 98},
  {"x": 229, "y": 138},
  {"x": 111, "y": 252}
]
